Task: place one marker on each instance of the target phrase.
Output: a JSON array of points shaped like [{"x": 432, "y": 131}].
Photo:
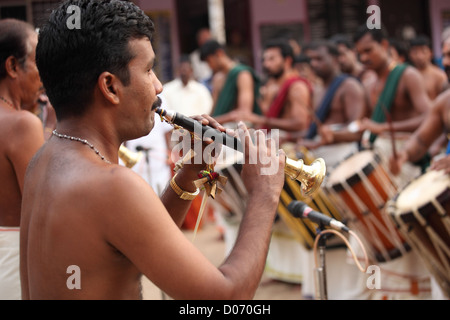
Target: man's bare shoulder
[
  {"x": 442, "y": 101},
  {"x": 19, "y": 121},
  {"x": 299, "y": 87},
  {"x": 412, "y": 82},
  {"x": 98, "y": 194},
  {"x": 22, "y": 133},
  {"x": 245, "y": 77},
  {"x": 438, "y": 72},
  {"x": 351, "y": 83},
  {"x": 118, "y": 180},
  {"x": 411, "y": 74}
]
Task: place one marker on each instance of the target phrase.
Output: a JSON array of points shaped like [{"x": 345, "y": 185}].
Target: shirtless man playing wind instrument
[{"x": 81, "y": 208}]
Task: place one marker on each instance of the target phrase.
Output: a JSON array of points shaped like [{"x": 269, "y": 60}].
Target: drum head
[
  {"x": 420, "y": 191},
  {"x": 347, "y": 168}
]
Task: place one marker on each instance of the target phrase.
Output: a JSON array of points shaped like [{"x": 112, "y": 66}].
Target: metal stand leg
[{"x": 320, "y": 272}]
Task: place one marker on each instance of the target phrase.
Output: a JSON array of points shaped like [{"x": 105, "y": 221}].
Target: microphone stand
[
  {"x": 147, "y": 160},
  {"x": 320, "y": 272}
]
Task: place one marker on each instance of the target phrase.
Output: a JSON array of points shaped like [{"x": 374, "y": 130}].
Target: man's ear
[
  {"x": 11, "y": 66},
  {"x": 385, "y": 44},
  {"x": 109, "y": 87}
]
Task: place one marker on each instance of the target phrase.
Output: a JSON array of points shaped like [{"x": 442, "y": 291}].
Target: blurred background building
[{"x": 244, "y": 25}]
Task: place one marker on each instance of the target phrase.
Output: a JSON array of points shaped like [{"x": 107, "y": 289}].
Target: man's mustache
[{"x": 157, "y": 103}]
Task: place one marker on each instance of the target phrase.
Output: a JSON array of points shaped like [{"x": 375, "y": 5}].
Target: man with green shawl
[
  {"x": 237, "y": 93},
  {"x": 399, "y": 104},
  {"x": 398, "y": 98}
]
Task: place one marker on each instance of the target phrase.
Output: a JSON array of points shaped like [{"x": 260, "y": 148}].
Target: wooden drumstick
[{"x": 391, "y": 131}]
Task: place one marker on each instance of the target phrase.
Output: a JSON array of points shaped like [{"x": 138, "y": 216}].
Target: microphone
[
  {"x": 141, "y": 148},
  {"x": 301, "y": 210}
]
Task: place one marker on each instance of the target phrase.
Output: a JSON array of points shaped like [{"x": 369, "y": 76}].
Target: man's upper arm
[
  {"x": 138, "y": 225},
  {"x": 300, "y": 104},
  {"x": 354, "y": 99},
  {"x": 416, "y": 91},
  {"x": 246, "y": 91},
  {"x": 433, "y": 126},
  {"x": 28, "y": 138}
]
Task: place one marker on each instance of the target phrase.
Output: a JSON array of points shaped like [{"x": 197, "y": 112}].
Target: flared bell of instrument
[
  {"x": 128, "y": 157},
  {"x": 310, "y": 176}
]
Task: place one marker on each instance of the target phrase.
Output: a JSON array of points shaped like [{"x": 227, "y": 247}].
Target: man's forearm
[
  {"x": 252, "y": 241},
  {"x": 177, "y": 207}
]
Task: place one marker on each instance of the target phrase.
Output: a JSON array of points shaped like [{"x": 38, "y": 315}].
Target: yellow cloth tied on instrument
[{"x": 208, "y": 180}]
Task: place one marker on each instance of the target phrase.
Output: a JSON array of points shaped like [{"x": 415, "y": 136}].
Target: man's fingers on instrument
[
  {"x": 261, "y": 141},
  {"x": 212, "y": 123},
  {"x": 202, "y": 119},
  {"x": 245, "y": 138}
]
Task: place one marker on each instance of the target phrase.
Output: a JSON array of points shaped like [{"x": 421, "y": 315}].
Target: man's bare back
[
  {"x": 67, "y": 206},
  {"x": 18, "y": 130},
  {"x": 435, "y": 81}
]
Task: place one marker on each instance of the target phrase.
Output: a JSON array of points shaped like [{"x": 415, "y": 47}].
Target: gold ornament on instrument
[{"x": 128, "y": 157}]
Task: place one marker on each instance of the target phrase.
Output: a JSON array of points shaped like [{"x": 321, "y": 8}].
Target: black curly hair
[{"x": 70, "y": 60}]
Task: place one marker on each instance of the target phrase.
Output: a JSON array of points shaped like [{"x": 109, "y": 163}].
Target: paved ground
[{"x": 208, "y": 241}]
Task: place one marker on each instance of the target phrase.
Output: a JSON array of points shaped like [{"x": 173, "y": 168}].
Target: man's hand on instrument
[
  {"x": 210, "y": 150},
  {"x": 442, "y": 164},
  {"x": 263, "y": 169},
  {"x": 309, "y": 144},
  {"x": 326, "y": 134},
  {"x": 395, "y": 164},
  {"x": 247, "y": 117},
  {"x": 372, "y": 126}
]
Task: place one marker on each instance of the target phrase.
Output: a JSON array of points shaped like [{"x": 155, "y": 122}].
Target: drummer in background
[
  {"x": 287, "y": 99},
  {"x": 289, "y": 103},
  {"x": 399, "y": 104},
  {"x": 235, "y": 86},
  {"x": 348, "y": 60},
  {"x": 343, "y": 104},
  {"x": 436, "y": 123},
  {"x": 436, "y": 81},
  {"x": 398, "y": 99},
  {"x": 421, "y": 56}
]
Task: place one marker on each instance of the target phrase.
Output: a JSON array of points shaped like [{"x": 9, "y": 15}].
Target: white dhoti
[
  {"x": 287, "y": 257},
  {"x": 9, "y": 264}
]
